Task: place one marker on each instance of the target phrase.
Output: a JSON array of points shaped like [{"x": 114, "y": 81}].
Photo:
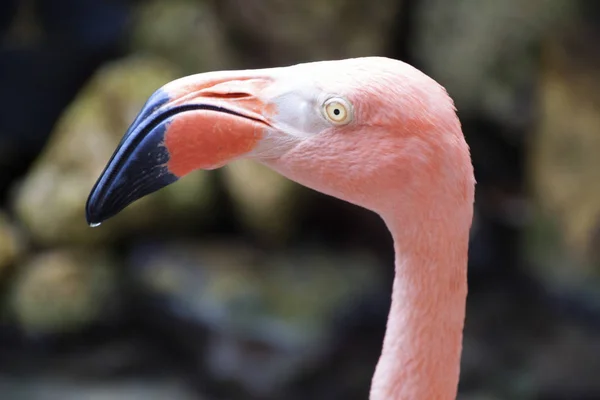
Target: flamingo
[{"x": 372, "y": 131}]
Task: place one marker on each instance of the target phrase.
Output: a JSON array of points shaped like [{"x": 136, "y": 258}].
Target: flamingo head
[{"x": 355, "y": 129}]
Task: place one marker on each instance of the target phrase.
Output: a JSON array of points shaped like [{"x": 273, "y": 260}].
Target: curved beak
[{"x": 198, "y": 122}]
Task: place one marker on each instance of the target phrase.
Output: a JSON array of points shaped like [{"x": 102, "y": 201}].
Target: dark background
[{"x": 238, "y": 284}]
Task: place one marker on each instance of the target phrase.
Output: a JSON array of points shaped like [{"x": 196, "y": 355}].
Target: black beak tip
[
  {"x": 137, "y": 168},
  {"x": 92, "y": 215},
  {"x": 111, "y": 196},
  {"x": 92, "y": 220}
]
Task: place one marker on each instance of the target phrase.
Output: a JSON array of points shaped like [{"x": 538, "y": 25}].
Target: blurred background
[{"x": 238, "y": 284}]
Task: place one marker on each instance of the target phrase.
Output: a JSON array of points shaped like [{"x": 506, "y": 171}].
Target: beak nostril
[
  {"x": 226, "y": 95},
  {"x": 234, "y": 89}
]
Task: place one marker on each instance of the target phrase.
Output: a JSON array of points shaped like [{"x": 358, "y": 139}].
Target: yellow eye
[{"x": 338, "y": 111}]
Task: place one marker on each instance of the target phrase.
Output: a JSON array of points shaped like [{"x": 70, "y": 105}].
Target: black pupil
[{"x": 336, "y": 111}]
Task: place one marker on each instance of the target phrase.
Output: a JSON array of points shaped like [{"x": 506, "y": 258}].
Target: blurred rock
[
  {"x": 487, "y": 63},
  {"x": 185, "y": 32},
  {"x": 477, "y": 396},
  {"x": 566, "y": 364},
  {"x": 278, "y": 312},
  {"x": 564, "y": 159},
  {"x": 265, "y": 202},
  {"x": 52, "y": 198},
  {"x": 50, "y": 388},
  {"x": 61, "y": 291},
  {"x": 11, "y": 243},
  {"x": 278, "y": 32}
]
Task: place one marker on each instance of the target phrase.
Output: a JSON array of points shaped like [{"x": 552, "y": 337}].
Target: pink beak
[{"x": 198, "y": 122}]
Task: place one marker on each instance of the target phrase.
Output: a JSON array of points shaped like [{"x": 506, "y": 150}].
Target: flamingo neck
[{"x": 423, "y": 341}]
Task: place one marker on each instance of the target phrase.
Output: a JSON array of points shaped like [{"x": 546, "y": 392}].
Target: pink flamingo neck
[{"x": 423, "y": 341}]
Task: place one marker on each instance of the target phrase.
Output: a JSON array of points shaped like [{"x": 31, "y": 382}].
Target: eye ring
[{"x": 338, "y": 111}]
